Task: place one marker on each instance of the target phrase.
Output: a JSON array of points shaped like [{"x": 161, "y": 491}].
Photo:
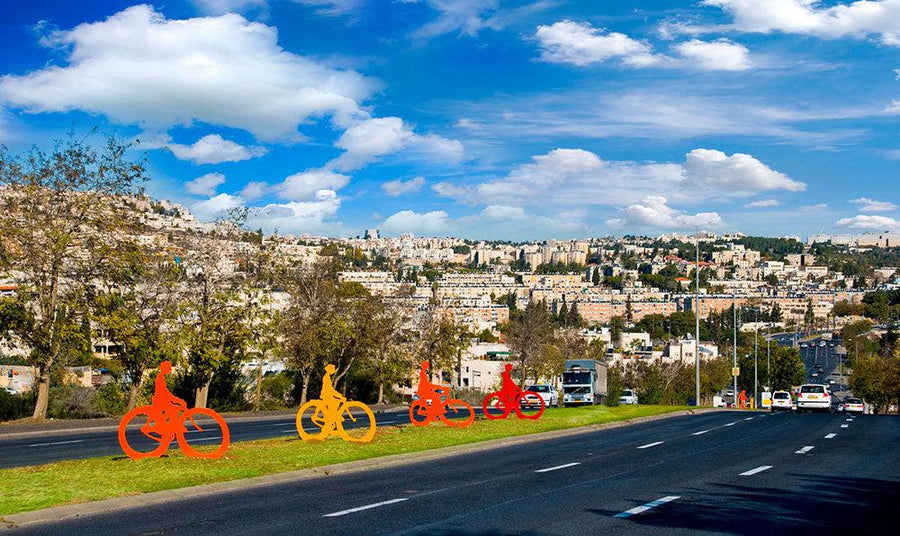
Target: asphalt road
[
  {"x": 47, "y": 447},
  {"x": 714, "y": 473}
]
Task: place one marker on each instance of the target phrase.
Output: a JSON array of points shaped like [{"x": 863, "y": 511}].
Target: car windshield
[
  {"x": 812, "y": 389},
  {"x": 572, "y": 389},
  {"x": 854, "y": 401},
  {"x": 538, "y": 389},
  {"x": 627, "y": 392},
  {"x": 782, "y": 396}
]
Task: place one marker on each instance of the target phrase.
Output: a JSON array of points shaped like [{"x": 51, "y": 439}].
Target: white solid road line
[
  {"x": 830, "y": 436},
  {"x": 204, "y": 439},
  {"x": 701, "y": 432},
  {"x": 366, "y": 507},
  {"x": 57, "y": 443},
  {"x": 387, "y": 422},
  {"x": 844, "y": 425},
  {"x": 759, "y": 469},
  {"x": 804, "y": 450},
  {"x": 648, "y": 445},
  {"x": 645, "y": 507},
  {"x": 547, "y": 470}
]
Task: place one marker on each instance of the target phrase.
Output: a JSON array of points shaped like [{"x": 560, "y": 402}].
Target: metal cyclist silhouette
[
  {"x": 166, "y": 419},
  {"x": 435, "y": 403},
  {"x": 510, "y": 397},
  {"x": 333, "y": 414}
]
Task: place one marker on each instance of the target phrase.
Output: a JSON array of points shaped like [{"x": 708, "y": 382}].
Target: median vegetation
[{"x": 78, "y": 481}]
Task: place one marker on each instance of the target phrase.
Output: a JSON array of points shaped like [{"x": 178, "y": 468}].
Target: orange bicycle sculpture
[
  {"x": 166, "y": 419},
  {"x": 332, "y": 412},
  {"x": 434, "y": 403},
  {"x": 510, "y": 397}
]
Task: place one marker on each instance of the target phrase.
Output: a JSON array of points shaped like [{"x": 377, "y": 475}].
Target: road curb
[{"x": 158, "y": 497}]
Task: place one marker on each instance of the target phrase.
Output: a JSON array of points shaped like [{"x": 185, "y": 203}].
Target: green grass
[{"x": 33, "y": 488}]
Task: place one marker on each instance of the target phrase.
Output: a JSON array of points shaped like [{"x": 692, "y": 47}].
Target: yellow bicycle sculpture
[{"x": 333, "y": 414}]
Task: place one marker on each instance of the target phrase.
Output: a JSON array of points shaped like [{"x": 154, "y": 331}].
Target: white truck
[{"x": 584, "y": 382}]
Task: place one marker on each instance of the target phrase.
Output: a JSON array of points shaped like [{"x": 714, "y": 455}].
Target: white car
[
  {"x": 854, "y": 405},
  {"x": 823, "y": 343},
  {"x": 813, "y": 396},
  {"x": 804, "y": 345},
  {"x": 628, "y": 397},
  {"x": 781, "y": 400},
  {"x": 547, "y": 392}
]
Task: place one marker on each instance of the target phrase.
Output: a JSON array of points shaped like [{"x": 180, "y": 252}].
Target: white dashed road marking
[
  {"x": 830, "y": 436},
  {"x": 804, "y": 450},
  {"x": 366, "y": 507},
  {"x": 57, "y": 443},
  {"x": 759, "y": 469},
  {"x": 547, "y": 470},
  {"x": 648, "y": 445},
  {"x": 643, "y": 508},
  {"x": 731, "y": 423}
]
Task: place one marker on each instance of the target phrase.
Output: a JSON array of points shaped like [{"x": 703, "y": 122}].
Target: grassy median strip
[{"x": 55, "y": 484}]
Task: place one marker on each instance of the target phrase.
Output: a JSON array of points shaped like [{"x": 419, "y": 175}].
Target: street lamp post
[
  {"x": 697, "y": 328},
  {"x": 734, "y": 346},
  {"x": 756, "y": 363}
]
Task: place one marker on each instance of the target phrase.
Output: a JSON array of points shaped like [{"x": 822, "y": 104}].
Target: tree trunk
[
  {"x": 43, "y": 390},
  {"x": 305, "y": 390},
  {"x": 380, "y": 393},
  {"x": 202, "y": 394},
  {"x": 258, "y": 388},
  {"x": 134, "y": 391}
]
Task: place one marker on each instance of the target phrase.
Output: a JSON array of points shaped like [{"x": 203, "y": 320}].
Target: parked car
[
  {"x": 854, "y": 405},
  {"x": 804, "y": 345},
  {"x": 823, "y": 343},
  {"x": 813, "y": 396},
  {"x": 547, "y": 392},
  {"x": 781, "y": 400},
  {"x": 628, "y": 397}
]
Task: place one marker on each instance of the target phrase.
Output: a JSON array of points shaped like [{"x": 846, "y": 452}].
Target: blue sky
[{"x": 489, "y": 119}]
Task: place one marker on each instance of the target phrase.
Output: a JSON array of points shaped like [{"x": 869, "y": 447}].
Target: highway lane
[
  {"x": 86, "y": 443},
  {"x": 721, "y": 472}
]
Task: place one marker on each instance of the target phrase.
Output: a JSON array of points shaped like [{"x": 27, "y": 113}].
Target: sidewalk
[{"x": 29, "y": 427}]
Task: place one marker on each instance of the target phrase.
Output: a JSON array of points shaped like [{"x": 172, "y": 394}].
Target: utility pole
[
  {"x": 697, "y": 328},
  {"x": 756, "y": 363},
  {"x": 734, "y": 346}
]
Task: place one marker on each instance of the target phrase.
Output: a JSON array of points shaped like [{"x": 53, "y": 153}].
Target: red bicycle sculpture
[
  {"x": 511, "y": 398},
  {"x": 434, "y": 403}
]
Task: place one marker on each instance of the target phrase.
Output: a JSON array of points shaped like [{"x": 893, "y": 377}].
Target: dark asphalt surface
[{"x": 848, "y": 482}]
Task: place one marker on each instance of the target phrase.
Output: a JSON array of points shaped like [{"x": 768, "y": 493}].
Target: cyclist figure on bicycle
[
  {"x": 168, "y": 404},
  {"x": 428, "y": 391},
  {"x": 508, "y": 386},
  {"x": 332, "y": 398}
]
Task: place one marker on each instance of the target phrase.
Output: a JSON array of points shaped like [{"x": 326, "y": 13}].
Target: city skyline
[{"x": 480, "y": 119}]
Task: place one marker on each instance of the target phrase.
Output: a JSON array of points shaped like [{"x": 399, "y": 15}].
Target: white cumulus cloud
[
  {"x": 303, "y": 185},
  {"x": 427, "y": 223},
  {"x": 217, "y": 206},
  {"x": 310, "y": 216},
  {"x": 399, "y": 187},
  {"x": 654, "y": 212},
  {"x": 575, "y": 177},
  {"x": 762, "y": 203},
  {"x": 858, "y": 19},
  {"x": 205, "y": 185},
  {"x": 137, "y": 67},
  {"x": 870, "y": 223},
  {"x": 579, "y": 43},
  {"x": 503, "y": 213},
  {"x": 871, "y": 205},
  {"x": 214, "y": 149},
  {"x": 373, "y": 138},
  {"x": 719, "y": 55}
]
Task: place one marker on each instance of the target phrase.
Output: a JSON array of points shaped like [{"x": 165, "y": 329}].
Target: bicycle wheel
[
  {"x": 363, "y": 419},
  {"x": 141, "y": 415},
  {"x": 457, "y": 413},
  {"x": 419, "y": 413},
  {"x": 316, "y": 411},
  {"x": 489, "y": 403},
  {"x": 211, "y": 421},
  {"x": 532, "y": 396}
]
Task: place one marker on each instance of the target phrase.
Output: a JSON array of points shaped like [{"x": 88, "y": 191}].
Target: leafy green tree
[
  {"x": 528, "y": 336},
  {"x": 615, "y": 384},
  {"x": 61, "y": 221}
]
